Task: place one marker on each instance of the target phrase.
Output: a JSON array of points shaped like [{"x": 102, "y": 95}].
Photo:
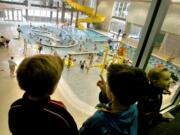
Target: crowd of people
[{"x": 130, "y": 100}]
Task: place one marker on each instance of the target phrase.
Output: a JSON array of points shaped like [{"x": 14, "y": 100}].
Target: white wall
[
  {"x": 171, "y": 46},
  {"x": 105, "y": 8},
  {"x": 172, "y": 20},
  {"x": 138, "y": 12}
]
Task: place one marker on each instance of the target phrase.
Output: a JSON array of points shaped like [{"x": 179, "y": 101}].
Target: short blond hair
[
  {"x": 154, "y": 74},
  {"x": 38, "y": 75}
]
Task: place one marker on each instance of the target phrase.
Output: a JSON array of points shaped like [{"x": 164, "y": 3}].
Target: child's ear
[
  {"x": 155, "y": 83},
  {"x": 112, "y": 96}
]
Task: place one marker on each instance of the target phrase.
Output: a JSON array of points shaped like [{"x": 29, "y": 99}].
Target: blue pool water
[{"x": 87, "y": 38}]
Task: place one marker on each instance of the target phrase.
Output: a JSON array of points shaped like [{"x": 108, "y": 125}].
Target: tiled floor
[{"x": 9, "y": 90}]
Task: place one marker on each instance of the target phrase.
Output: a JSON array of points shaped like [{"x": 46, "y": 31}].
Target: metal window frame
[{"x": 154, "y": 21}]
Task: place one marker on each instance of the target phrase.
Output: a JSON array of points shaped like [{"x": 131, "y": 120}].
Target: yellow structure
[
  {"x": 120, "y": 54},
  {"x": 117, "y": 58},
  {"x": 92, "y": 16},
  {"x": 103, "y": 64}
]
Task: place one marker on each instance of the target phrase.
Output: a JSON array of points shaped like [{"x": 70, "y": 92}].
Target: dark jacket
[
  {"x": 149, "y": 109},
  {"x": 108, "y": 123},
  {"x": 150, "y": 104},
  {"x": 44, "y": 117},
  {"x": 103, "y": 98}
]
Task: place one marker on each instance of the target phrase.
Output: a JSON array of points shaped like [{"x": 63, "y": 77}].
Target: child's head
[
  {"x": 38, "y": 75},
  {"x": 160, "y": 77},
  {"x": 123, "y": 83}
]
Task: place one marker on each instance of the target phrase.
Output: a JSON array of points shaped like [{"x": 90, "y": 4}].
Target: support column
[
  {"x": 63, "y": 12},
  {"x": 77, "y": 16},
  {"x": 51, "y": 13},
  {"x": 57, "y": 14},
  {"x": 72, "y": 10},
  {"x": 26, "y": 14},
  {"x": 26, "y": 5}
]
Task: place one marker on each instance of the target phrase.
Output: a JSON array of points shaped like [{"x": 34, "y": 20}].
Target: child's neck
[
  {"x": 117, "y": 107},
  {"x": 36, "y": 98}
]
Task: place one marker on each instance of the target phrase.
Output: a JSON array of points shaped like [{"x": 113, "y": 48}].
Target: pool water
[{"x": 62, "y": 37}]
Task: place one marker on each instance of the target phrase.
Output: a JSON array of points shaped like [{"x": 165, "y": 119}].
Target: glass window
[
  {"x": 37, "y": 13},
  {"x": 68, "y": 15},
  {"x": 6, "y": 14},
  {"x": 24, "y": 12},
  {"x": 20, "y": 14},
  {"x": 54, "y": 14},
  {"x": 43, "y": 13},
  {"x": 121, "y": 6},
  {"x": 166, "y": 51},
  {"x": 15, "y": 15},
  {"x": 116, "y": 6},
  {"x": 10, "y": 15},
  {"x": 121, "y": 9},
  {"x": 92, "y": 3},
  {"x": 47, "y": 13},
  {"x": 116, "y": 25},
  {"x": 135, "y": 31},
  {"x": 60, "y": 15},
  {"x": 30, "y": 12},
  {"x": 129, "y": 31}
]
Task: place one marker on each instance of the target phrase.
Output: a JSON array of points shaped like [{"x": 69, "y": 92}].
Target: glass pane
[
  {"x": 6, "y": 15},
  {"x": 68, "y": 15},
  {"x": 15, "y": 15},
  {"x": 47, "y": 13},
  {"x": 10, "y": 14},
  {"x": 24, "y": 12},
  {"x": 30, "y": 12},
  {"x": 54, "y": 14},
  {"x": 166, "y": 51},
  {"x": 127, "y": 25},
  {"x": 37, "y": 13},
  {"x": 43, "y": 13},
  {"x": 20, "y": 14}
]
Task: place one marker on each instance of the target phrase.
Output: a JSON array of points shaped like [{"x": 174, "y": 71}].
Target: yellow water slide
[{"x": 92, "y": 17}]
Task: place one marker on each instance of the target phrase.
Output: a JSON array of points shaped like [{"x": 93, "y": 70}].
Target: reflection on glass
[
  {"x": 127, "y": 21},
  {"x": 166, "y": 51}
]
